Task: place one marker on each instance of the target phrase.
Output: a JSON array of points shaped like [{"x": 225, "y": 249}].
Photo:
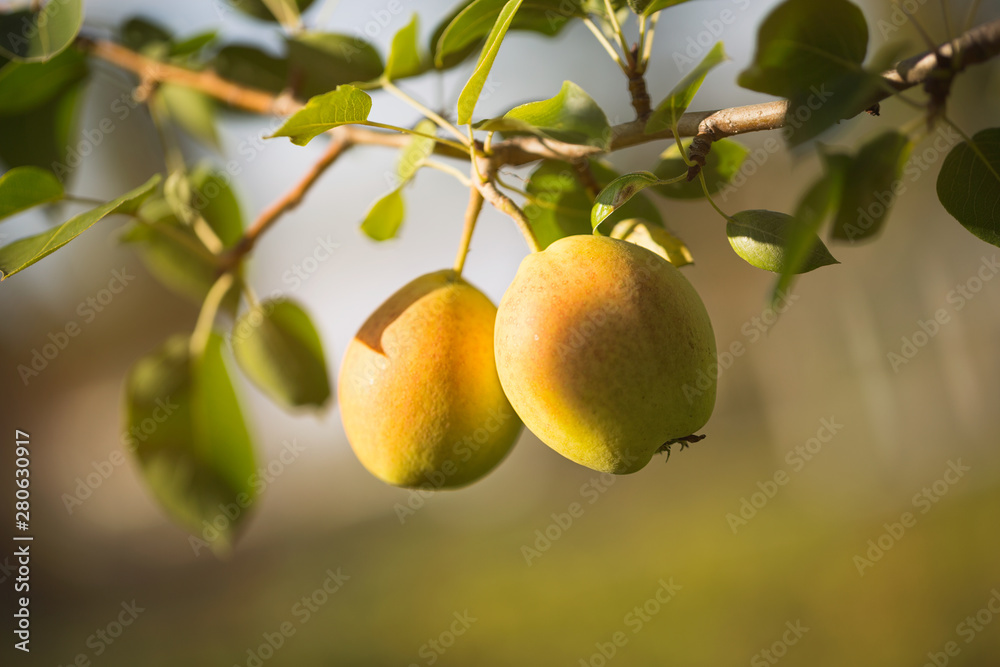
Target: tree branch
[
  {"x": 978, "y": 45},
  {"x": 207, "y": 81},
  {"x": 290, "y": 200},
  {"x": 471, "y": 216},
  {"x": 975, "y": 46},
  {"x": 488, "y": 189}
]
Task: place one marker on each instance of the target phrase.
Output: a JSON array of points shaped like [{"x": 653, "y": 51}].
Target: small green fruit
[
  {"x": 419, "y": 395},
  {"x": 605, "y": 351}
]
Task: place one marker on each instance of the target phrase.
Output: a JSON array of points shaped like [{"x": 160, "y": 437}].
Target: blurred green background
[{"x": 450, "y": 583}]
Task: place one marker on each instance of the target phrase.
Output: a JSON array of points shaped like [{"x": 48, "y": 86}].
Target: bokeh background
[{"x": 736, "y": 591}]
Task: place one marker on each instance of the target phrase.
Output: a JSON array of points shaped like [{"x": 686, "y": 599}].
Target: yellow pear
[
  {"x": 605, "y": 351},
  {"x": 419, "y": 395}
]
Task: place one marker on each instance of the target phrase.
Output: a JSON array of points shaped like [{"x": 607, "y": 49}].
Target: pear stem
[{"x": 471, "y": 216}]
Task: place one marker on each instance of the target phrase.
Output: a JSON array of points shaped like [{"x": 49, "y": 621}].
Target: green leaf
[
  {"x": 669, "y": 111},
  {"x": 25, "y": 187},
  {"x": 404, "y": 54},
  {"x": 285, "y": 11},
  {"x": 461, "y": 32},
  {"x": 249, "y": 66},
  {"x": 639, "y": 206},
  {"x": 822, "y": 106},
  {"x": 650, "y": 7},
  {"x": 342, "y": 106},
  {"x": 385, "y": 217},
  {"x": 27, "y": 86},
  {"x": 559, "y": 204},
  {"x": 319, "y": 62},
  {"x": 259, "y": 9},
  {"x": 600, "y": 8},
  {"x": 572, "y": 116},
  {"x": 450, "y": 47},
  {"x": 474, "y": 87},
  {"x": 213, "y": 197},
  {"x": 35, "y": 36},
  {"x": 185, "y": 426},
  {"x": 470, "y": 25},
  {"x": 46, "y": 136},
  {"x": 869, "y": 182},
  {"x": 23, "y": 253},
  {"x": 803, "y": 43},
  {"x": 814, "y": 207},
  {"x": 618, "y": 192},
  {"x": 969, "y": 185},
  {"x": 760, "y": 237},
  {"x": 193, "y": 45},
  {"x": 655, "y": 238},
  {"x": 174, "y": 254},
  {"x": 192, "y": 110},
  {"x": 278, "y": 348},
  {"x": 416, "y": 151},
  {"x": 166, "y": 248},
  {"x": 721, "y": 165},
  {"x": 146, "y": 36}
]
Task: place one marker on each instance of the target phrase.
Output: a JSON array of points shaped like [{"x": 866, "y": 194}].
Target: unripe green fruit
[
  {"x": 419, "y": 394},
  {"x": 600, "y": 345}
]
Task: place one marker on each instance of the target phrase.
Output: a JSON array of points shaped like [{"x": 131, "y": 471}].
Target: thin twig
[
  {"x": 448, "y": 169},
  {"x": 288, "y": 201},
  {"x": 616, "y": 26},
  {"x": 207, "y": 81},
  {"x": 392, "y": 89},
  {"x": 471, "y": 215},
  {"x": 206, "y": 317},
  {"x": 604, "y": 42},
  {"x": 505, "y": 204},
  {"x": 647, "y": 47}
]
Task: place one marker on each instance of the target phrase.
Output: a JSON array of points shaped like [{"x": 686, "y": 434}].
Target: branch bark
[
  {"x": 287, "y": 202},
  {"x": 975, "y": 46}
]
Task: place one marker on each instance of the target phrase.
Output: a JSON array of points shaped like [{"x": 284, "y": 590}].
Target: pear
[
  {"x": 605, "y": 351},
  {"x": 420, "y": 399}
]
